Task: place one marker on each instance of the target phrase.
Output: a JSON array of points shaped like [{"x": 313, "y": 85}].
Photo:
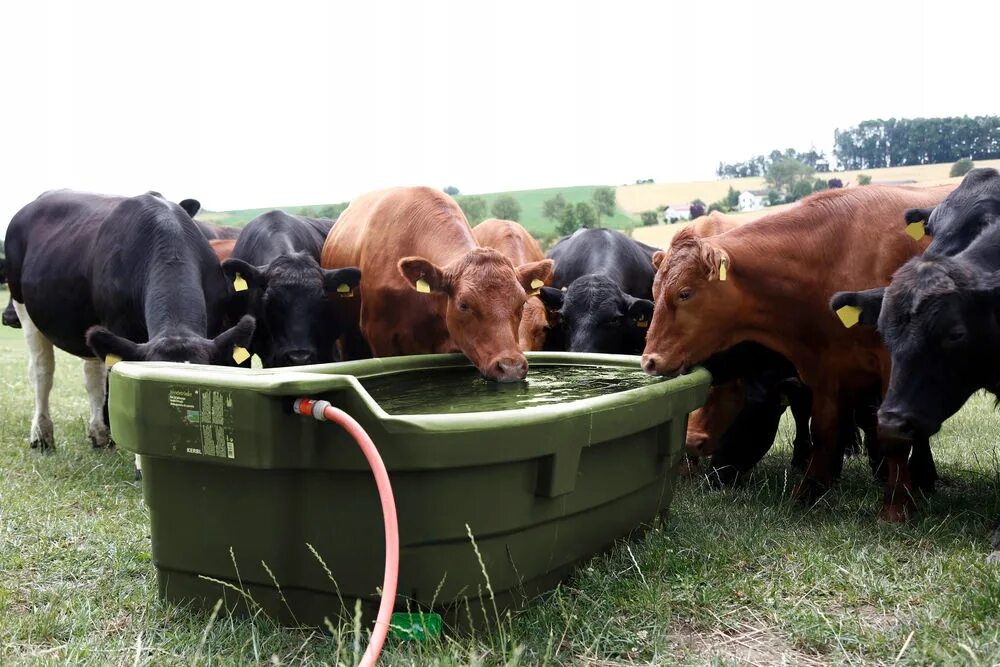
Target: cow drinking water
[{"x": 128, "y": 278}]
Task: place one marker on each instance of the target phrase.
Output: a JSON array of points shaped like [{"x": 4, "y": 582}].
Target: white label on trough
[{"x": 210, "y": 411}]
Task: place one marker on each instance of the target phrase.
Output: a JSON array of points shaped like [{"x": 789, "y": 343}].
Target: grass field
[
  {"x": 530, "y": 200},
  {"x": 742, "y": 576}
]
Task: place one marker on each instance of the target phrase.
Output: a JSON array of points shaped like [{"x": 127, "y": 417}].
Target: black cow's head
[
  {"x": 963, "y": 215},
  {"x": 939, "y": 321},
  {"x": 224, "y": 350},
  {"x": 597, "y": 316},
  {"x": 290, "y": 297}
]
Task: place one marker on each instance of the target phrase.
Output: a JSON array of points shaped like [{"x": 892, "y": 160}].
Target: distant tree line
[
  {"x": 908, "y": 141},
  {"x": 581, "y": 215},
  {"x": 759, "y": 164}
]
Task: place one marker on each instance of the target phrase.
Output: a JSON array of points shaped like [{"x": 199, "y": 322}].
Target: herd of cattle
[{"x": 869, "y": 311}]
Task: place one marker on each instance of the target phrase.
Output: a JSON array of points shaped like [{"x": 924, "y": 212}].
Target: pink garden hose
[{"x": 323, "y": 411}]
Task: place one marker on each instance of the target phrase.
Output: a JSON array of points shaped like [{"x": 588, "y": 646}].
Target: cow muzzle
[
  {"x": 655, "y": 364},
  {"x": 506, "y": 369}
]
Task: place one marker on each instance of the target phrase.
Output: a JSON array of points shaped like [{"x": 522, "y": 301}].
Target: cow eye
[
  {"x": 614, "y": 322},
  {"x": 955, "y": 336},
  {"x": 684, "y": 293},
  {"x": 463, "y": 306}
]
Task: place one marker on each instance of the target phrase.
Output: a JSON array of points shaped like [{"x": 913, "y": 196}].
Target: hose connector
[{"x": 308, "y": 407}]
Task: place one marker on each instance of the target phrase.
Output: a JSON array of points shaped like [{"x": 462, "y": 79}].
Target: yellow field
[{"x": 637, "y": 198}]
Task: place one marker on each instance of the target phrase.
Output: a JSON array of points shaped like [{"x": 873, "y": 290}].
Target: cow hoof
[
  {"x": 688, "y": 467},
  {"x": 895, "y": 512},
  {"x": 42, "y": 434},
  {"x": 101, "y": 440},
  {"x": 993, "y": 558},
  {"x": 808, "y": 491}
]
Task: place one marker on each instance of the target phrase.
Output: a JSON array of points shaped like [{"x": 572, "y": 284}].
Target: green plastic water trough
[{"x": 284, "y": 508}]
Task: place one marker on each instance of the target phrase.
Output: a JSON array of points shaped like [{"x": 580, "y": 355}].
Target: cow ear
[
  {"x": 716, "y": 261},
  {"x": 640, "y": 312},
  {"x": 917, "y": 215},
  {"x": 231, "y": 345},
  {"x": 191, "y": 206},
  {"x": 423, "y": 275},
  {"x": 858, "y": 307},
  {"x": 551, "y": 298},
  {"x": 342, "y": 281},
  {"x": 110, "y": 348},
  {"x": 658, "y": 258},
  {"x": 242, "y": 275},
  {"x": 534, "y": 275}
]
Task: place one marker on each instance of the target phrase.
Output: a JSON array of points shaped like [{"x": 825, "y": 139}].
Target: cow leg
[
  {"x": 800, "y": 402},
  {"x": 95, "y": 380},
  {"x": 897, "y": 503},
  {"x": 41, "y": 366},
  {"x": 922, "y": 468},
  {"x": 819, "y": 470}
]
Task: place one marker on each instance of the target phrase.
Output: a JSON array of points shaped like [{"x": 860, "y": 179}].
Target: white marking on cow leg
[
  {"x": 41, "y": 366},
  {"x": 95, "y": 374}
]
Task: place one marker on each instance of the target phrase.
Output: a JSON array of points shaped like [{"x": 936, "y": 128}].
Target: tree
[
  {"x": 506, "y": 207},
  {"x": 586, "y": 216},
  {"x": 451, "y": 190},
  {"x": 732, "y": 198},
  {"x": 553, "y": 207},
  {"x": 577, "y": 216},
  {"x": 801, "y": 189},
  {"x": 896, "y": 142},
  {"x": 834, "y": 183},
  {"x": 649, "y": 218},
  {"x": 962, "y": 167},
  {"x": 604, "y": 202},
  {"x": 697, "y": 209},
  {"x": 773, "y": 197},
  {"x": 474, "y": 208},
  {"x": 819, "y": 185},
  {"x": 783, "y": 174},
  {"x": 864, "y": 179}
]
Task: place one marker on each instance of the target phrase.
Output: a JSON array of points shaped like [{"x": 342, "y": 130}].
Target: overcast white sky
[{"x": 243, "y": 104}]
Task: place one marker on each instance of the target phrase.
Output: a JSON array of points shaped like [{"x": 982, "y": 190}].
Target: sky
[{"x": 246, "y": 104}]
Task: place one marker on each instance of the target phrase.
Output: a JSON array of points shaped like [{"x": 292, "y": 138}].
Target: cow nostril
[{"x": 297, "y": 358}]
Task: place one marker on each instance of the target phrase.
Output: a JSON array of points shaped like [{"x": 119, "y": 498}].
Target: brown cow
[
  {"x": 223, "y": 248},
  {"x": 770, "y": 282},
  {"x": 509, "y": 239},
  {"x": 426, "y": 285},
  {"x": 515, "y": 243}
]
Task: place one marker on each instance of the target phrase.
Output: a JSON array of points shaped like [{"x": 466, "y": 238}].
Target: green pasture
[{"x": 744, "y": 576}]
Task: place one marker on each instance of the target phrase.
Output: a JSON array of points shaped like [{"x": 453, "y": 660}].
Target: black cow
[
  {"x": 275, "y": 268},
  {"x": 130, "y": 278},
  {"x": 940, "y": 321},
  {"x": 963, "y": 215},
  {"x": 602, "y": 291}
]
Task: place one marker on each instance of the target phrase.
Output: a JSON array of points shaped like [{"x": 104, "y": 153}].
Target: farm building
[
  {"x": 752, "y": 200},
  {"x": 677, "y": 212}
]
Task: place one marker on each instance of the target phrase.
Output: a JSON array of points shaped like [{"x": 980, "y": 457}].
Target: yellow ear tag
[
  {"x": 423, "y": 287},
  {"x": 536, "y": 283},
  {"x": 111, "y": 359},
  {"x": 239, "y": 284},
  {"x": 916, "y": 230},
  {"x": 240, "y": 354},
  {"x": 344, "y": 290},
  {"x": 642, "y": 322},
  {"x": 723, "y": 269},
  {"x": 849, "y": 315}
]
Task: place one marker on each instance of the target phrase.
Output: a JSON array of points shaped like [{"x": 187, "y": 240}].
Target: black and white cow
[
  {"x": 602, "y": 291},
  {"x": 111, "y": 277},
  {"x": 277, "y": 278}
]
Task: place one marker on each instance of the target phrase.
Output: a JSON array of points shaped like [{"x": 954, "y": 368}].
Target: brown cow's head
[
  {"x": 485, "y": 294},
  {"x": 540, "y": 322},
  {"x": 694, "y": 302},
  {"x": 707, "y": 424}
]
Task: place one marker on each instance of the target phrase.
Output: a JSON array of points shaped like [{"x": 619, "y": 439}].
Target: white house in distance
[
  {"x": 677, "y": 212},
  {"x": 752, "y": 200}
]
